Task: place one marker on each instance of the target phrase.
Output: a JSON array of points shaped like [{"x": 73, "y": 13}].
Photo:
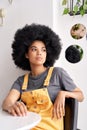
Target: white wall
[
  {"x": 23, "y": 12},
  {"x": 18, "y": 14},
  {"x": 62, "y": 25}
]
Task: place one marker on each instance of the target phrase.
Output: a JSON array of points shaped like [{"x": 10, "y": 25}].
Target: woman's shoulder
[
  {"x": 58, "y": 69},
  {"x": 21, "y": 78},
  {"x": 18, "y": 82}
]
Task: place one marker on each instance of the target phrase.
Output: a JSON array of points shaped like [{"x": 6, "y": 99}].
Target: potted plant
[{"x": 74, "y": 7}]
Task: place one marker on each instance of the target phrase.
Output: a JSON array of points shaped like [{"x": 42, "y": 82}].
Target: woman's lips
[{"x": 39, "y": 58}]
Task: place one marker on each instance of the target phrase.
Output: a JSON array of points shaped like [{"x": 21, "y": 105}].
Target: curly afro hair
[
  {"x": 73, "y": 53},
  {"x": 26, "y": 36}
]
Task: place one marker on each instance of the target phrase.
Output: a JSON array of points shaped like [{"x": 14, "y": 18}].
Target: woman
[
  {"x": 44, "y": 89},
  {"x": 78, "y": 31}
]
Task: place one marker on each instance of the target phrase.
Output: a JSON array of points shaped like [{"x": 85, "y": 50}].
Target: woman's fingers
[
  {"x": 12, "y": 111},
  {"x": 18, "y": 109},
  {"x": 59, "y": 105},
  {"x": 58, "y": 112},
  {"x": 21, "y": 109}
]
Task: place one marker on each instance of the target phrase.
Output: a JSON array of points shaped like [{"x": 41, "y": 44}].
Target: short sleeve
[
  {"x": 65, "y": 80},
  {"x": 18, "y": 84}
]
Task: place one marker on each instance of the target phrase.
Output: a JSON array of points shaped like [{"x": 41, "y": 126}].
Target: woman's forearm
[
  {"x": 77, "y": 94},
  {"x": 6, "y": 104},
  {"x": 11, "y": 98}
]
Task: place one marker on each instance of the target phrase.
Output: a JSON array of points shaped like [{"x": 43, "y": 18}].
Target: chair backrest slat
[{"x": 71, "y": 114}]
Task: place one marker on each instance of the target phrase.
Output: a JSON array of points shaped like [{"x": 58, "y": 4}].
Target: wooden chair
[{"x": 71, "y": 114}]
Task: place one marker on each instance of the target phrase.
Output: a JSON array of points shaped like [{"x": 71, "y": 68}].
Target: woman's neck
[{"x": 35, "y": 71}]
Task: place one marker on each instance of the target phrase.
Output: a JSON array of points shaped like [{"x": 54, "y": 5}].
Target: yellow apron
[{"x": 39, "y": 101}]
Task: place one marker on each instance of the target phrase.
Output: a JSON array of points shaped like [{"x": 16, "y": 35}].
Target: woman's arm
[
  {"x": 59, "y": 104},
  {"x": 76, "y": 93},
  {"x": 12, "y": 105}
]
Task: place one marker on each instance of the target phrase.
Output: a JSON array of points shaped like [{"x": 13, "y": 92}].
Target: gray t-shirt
[{"x": 60, "y": 80}]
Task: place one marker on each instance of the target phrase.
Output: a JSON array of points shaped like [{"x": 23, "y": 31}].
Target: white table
[{"x": 9, "y": 122}]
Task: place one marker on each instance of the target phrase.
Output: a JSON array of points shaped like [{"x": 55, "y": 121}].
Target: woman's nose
[{"x": 39, "y": 52}]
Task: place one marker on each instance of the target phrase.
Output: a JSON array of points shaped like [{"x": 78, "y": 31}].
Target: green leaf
[
  {"x": 85, "y": 2},
  {"x": 75, "y": 9},
  {"x": 64, "y": 2},
  {"x": 66, "y": 11},
  {"x": 78, "y": 0},
  {"x": 82, "y": 11},
  {"x": 81, "y": 7},
  {"x": 85, "y": 7}
]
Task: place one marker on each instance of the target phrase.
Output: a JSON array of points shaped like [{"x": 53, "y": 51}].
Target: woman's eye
[
  {"x": 83, "y": 30},
  {"x": 33, "y": 49},
  {"x": 44, "y": 50}
]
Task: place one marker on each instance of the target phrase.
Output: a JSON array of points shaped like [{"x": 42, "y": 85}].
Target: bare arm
[
  {"x": 11, "y": 104},
  {"x": 59, "y": 104},
  {"x": 76, "y": 93}
]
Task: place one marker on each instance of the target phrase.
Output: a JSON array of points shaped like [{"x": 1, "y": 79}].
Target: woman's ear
[{"x": 26, "y": 55}]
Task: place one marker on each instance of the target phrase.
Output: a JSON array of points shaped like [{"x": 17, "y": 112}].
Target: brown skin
[
  {"x": 37, "y": 56},
  {"x": 59, "y": 104}
]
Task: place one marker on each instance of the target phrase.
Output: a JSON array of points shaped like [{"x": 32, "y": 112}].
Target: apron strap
[
  {"x": 25, "y": 83},
  {"x": 47, "y": 80}
]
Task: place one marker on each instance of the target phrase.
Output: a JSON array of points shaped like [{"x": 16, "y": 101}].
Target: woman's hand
[
  {"x": 17, "y": 109},
  {"x": 59, "y": 105},
  {"x": 12, "y": 105}
]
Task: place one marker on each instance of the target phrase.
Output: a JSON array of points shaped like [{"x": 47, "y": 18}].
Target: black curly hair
[
  {"x": 73, "y": 53},
  {"x": 26, "y": 36}
]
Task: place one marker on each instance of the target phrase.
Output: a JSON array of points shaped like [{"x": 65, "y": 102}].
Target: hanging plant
[{"x": 74, "y": 7}]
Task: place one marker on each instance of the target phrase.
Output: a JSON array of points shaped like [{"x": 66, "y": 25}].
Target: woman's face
[
  {"x": 80, "y": 32},
  {"x": 37, "y": 53}
]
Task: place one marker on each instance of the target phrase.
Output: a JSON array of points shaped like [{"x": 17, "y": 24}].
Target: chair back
[{"x": 71, "y": 114}]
